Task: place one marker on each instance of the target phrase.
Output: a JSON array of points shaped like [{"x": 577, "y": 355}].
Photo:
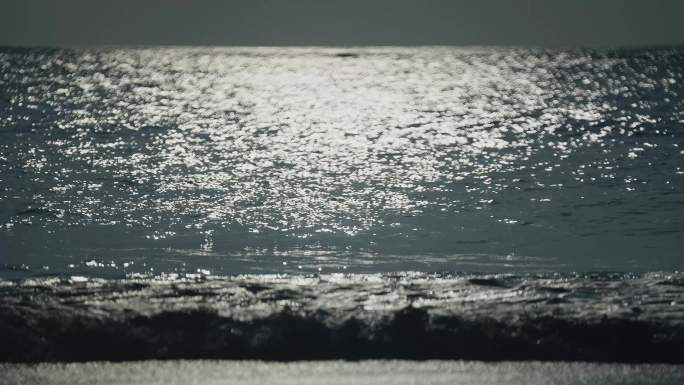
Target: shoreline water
[{"x": 340, "y": 372}]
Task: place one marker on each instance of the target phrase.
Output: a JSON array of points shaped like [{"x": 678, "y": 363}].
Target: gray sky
[{"x": 336, "y": 22}]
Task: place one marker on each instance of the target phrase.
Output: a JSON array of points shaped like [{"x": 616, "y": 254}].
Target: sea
[{"x": 342, "y": 203}]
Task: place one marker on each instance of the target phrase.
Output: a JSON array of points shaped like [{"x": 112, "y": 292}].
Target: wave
[{"x": 614, "y": 317}]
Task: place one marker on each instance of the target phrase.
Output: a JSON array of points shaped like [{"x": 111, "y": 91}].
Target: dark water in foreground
[
  {"x": 553, "y": 317},
  {"x": 256, "y": 160}
]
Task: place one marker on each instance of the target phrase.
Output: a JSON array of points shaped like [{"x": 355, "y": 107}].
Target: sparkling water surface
[{"x": 269, "y": 160}]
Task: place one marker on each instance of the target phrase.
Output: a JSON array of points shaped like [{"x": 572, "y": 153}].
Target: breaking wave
[{"x": 587, "y": 317}]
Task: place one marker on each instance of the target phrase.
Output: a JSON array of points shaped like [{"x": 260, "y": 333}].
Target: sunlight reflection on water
[{"x": 270, "y": 159}]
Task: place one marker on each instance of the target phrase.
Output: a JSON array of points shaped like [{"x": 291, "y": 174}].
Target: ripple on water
[{"x": 240, "y": 157}]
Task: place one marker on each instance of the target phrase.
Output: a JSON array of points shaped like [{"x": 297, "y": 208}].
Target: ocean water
[
  {"x": 598, "y": 317},
  {"x": 148, "y": 161},
  {"x": 329, "y": 203}
]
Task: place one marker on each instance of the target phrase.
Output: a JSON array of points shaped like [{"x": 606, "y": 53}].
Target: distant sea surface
[{"x": 214, "y": 161}]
